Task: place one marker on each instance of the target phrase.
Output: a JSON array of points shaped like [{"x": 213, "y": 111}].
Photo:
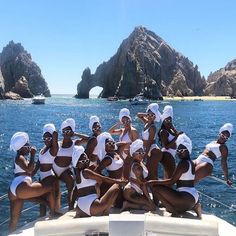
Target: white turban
[
  {"x": 184, "y": 140},
  {"x": 100, "y": 148},
  {"x": 136, "y": 145},
  {"x": 227, "y": 127},
  {"x": 77, "y": 151},
  {"x": 49, "y": 128},
  {"x": 18, "y": 140},
  {"x": 154, "y": 107},
  {"x": 124, "y": 112},
  {"x": 167, "y": 112},
  {"x": 92, "y": 120},
  {"x": 68, "y": 123}
]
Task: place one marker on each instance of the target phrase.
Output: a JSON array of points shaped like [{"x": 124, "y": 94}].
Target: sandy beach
[{"x": 200, "y": 98}]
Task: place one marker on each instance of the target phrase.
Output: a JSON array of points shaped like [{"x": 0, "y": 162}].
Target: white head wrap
[
  {"x": 50, "y": 128},
  {"x": 184, "y": 140},
  {"x": 68, "y": 123},
  {"x": 227, "y": 127},
  {"x": 124, "y": 112},
  {"x": 92, "y": 120},
  {"x": 18, "y": 140},
  {"x": 77, "y": 151},
  {"x": 100, "y": 148},
  {"x": 154, "y": 107},
  {"x": 136, "y": 145},
  {"x": 167, "y": 112}
]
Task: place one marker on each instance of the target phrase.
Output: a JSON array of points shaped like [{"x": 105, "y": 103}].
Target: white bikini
[
  {"x": 145, "y": 137},
  {"x": 84, "y": 203},
  {"x": 132, "y": 175},
  {"x": 189, "y": 176},
  {"x": 19, "y": 179},
  {"x": 169, "y": 150},
  {"x": 46, "y": 158},
  {"x": 63, "y": 152},
  {"x": 116, "y": 164},
  {"x": 213, "y": 147},
  {"x": 125, "y": 138}
]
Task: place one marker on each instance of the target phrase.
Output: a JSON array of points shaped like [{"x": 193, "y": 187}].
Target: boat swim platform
[{"x": 129, "y": 223}]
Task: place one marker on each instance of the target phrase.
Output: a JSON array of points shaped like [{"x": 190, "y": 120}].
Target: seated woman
[
  {"x": 22, "y": 187},
  {"x": 112, "y": 163},
  {"x": 185, "y": 197},
  {"x": 128, "y": 134},
  {"x": 167, "y": 136},
  {"x": 45, "y": 161},
  {"x": 88, "y": 202},
  {"x": 62, "y": 161},
  {"x": 91, "y": 151},
  {"x": 205, "y": 162},
  {"x": 135, "y": 192}
]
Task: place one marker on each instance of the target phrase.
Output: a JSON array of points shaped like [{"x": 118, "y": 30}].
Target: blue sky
[{"x": 66, "y": 36}]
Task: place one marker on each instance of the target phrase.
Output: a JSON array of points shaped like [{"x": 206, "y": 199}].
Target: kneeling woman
[
  {"x": 185, "y": 197},
  {"x": 22, "y": 187},
  {"x": 88, "y": 202},
  {"x": 135, "y": 192}
]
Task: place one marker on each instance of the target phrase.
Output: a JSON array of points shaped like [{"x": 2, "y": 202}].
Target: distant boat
[
  {"x": 112, "y": 99},
  {"x": 197, "y": 99},
  {"x": 139, "y": 99},
  {"x": 39, "y": 99}
]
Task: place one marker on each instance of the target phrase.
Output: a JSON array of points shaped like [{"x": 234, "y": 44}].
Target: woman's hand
[
  {"x": 229, "y": 182},
  {"x": 33, "y": 151}
]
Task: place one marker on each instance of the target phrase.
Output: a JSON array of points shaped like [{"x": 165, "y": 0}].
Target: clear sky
[{"x": 66, "y": 36}]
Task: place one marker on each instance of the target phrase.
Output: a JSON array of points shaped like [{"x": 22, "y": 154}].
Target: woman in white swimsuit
[
  {"x": 153, "y": 154},
  {"x": 62, "y": 162},
  {"x": 167, "y": 136},
  {"x": 88, "y": 201},
  {"x": 128, "y": 134},
  {"x": 215, "y": 150},
  {"x": 135, "y": 192},
  {"x": 22, "y": 188},
  {"x": 185, "y": 197}
]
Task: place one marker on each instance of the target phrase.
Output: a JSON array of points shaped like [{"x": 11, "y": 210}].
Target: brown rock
[
  {"x": 12, "y": 96},
  {"x": 21, "y": 87}
]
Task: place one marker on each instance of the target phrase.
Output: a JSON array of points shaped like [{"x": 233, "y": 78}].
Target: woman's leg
[
  {"x": 15, "y": 210},
  {"x": 127, "y": 166},
  {"x": 152, "y": 163},
  {"x": 100, "y": 206},
  {"x": 202, "y": 170},
  {"x": 168, "y": 162}
]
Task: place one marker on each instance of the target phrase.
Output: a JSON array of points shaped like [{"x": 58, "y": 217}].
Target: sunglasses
[
  {"x": 47, "y": 139},
  {"x": 97, "y": 128},
  {"x": 150, "y": 114},
  {"x": 66, "y": 131},
  {"x": 140, "y": 153},
  {"x": 168, "y": 120},
  {"x": 27, "y": 147},
  {"x": 84, "y": 161},
  {"x": 110, "y": 143},
  {"x": 181, "y": 150},
  {"x": 224, "y": 136}
]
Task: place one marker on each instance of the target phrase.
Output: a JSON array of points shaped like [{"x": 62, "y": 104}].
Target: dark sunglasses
[
  {"x": 181, "y": 150},
  {"x": 110, "y": 143},
  {"x": 84, "y": 161},
  {"x": 47, "y": 139},
  {"x": 140, "y": 153},
  {"x": 27, "y": 147},
  {"x": 66, "y": 131}
]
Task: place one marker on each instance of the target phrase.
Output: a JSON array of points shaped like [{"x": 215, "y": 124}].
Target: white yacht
[{"x": 40, "y": 99}]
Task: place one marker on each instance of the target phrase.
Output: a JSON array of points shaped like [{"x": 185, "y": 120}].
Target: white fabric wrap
[
  {"x": 154, "y": 107},
  {"x": 227, "y": 127},
  {"x": 184, "y": 140},
  {"x": 49, "y": 128},
  {"x": 68, "y": 123},
  {"x": 100, "y": 148},
  {"x": 77, "y": 151},
  {"x": 167, "y": 112},
  {"x": 18, "y": 140},
  {"x": 124, "y": 112},
  {"x": 92, "y": 120},
  {"x": 136, "y": 145}
]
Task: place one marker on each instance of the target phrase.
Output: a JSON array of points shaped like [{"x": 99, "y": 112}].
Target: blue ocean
[{"x": 200, "y": 120}]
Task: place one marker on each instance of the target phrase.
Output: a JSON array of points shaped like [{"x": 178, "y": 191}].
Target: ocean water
[{"x": 200, "y": 120}]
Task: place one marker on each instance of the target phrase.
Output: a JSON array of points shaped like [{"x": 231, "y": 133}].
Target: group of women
[{"x": 100, "y": 173}]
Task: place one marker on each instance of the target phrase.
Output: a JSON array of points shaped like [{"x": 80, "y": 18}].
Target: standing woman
[
  {"x": 127, "y": 134},
  {"x": 153, "y": 153},
  {"x": 91, "y": 151},
  {"x": 62, "y": 162},
  {"x": 135, "y": 192},
  {"x": 185, "y": 197},
  {"x": 167, "y": 136},
  {"x": 22, "y": 187},
  {"x": 88, "y": 201},
  {"x": 205, "y": 162}
]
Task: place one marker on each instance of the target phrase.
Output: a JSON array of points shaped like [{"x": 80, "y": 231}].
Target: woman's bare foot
[{"x": 198, "y": 210}]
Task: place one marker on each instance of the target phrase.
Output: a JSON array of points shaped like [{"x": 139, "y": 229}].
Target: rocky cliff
[
  {"x": 19, "y": 75},
  {"x": 223, "y": 81},
  {"x": 144, "y": 63}
]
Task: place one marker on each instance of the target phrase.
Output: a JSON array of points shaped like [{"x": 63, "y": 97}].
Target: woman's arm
[
  {"x": 54, "y": 149},
  {"x": 134, "y": 134},
  {"x": 164, "y": 139},
  {"x": 224, "y": 165},
  {"x": 36, "y": 168},
  {"x": 91, "y": 145},
  {"x": 103, "y": 164},
  {"x": 142, "y": 117},
  {"x": 152, "y": 134},
  {"x": 114, "y": 129}
]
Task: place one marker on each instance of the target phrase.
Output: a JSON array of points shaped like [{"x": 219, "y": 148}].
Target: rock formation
[
  {"x": 223, "y": 81},
  {"x": 144, "y": 63},
  {"x": 19, "y": 74}
]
